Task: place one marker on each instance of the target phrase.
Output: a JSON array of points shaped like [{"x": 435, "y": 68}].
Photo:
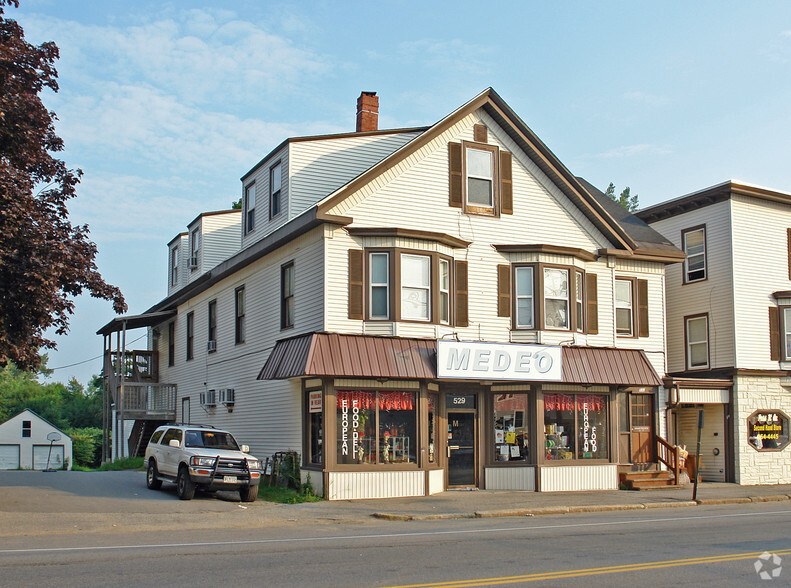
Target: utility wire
[{"x": 63, "y": 367}]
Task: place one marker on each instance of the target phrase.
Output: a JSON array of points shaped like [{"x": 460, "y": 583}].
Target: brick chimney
[{"x": 367, "y": 112}]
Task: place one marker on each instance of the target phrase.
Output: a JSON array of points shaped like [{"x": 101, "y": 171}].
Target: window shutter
[
  {"x": 642, "y": 308},
  {"x": 454, "y": 166},
  {"x": 774, "y": 333},
  {"x": 462, "y": 297},
  {"x": 479, "y": 134},
  {"x": 506, "y": 184},
  {"x": 356, "y": 284},
  {"x": 592, "y": 292},
  {"x": 789, "y": 252},
  {"x": 503, "y": 290}
]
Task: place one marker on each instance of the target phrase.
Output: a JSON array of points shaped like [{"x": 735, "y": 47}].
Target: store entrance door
[
  {"x": 461, "y": 448},
  {"x": 641, "y": 422}
]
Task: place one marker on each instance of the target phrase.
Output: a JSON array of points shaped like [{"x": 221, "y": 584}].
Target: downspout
[{"x": 121, "y": 395}]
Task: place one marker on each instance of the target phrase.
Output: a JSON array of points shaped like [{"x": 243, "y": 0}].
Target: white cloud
[{"x": 652, "y": 100}]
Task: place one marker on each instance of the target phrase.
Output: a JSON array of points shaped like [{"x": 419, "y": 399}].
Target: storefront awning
[{"x": 364, "y": 356}]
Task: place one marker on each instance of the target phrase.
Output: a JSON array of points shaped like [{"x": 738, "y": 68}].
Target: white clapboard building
[
  {"x": 29, "y": 442},
  {"x": 413, "y": 310}
]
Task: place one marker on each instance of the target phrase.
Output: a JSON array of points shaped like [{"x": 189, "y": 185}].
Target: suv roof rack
[{"x": 196, "y": 425}]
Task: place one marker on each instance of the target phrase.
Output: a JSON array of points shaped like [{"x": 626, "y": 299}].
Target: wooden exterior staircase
[{"x": 656, "y": 479}]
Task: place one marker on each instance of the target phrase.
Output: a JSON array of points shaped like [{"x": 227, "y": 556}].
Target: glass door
[{"x": 461, "y": 448}]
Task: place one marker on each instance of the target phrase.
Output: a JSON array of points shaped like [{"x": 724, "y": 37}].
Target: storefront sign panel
[
  {"x": 314, "y": 400},
  {"x": 498, "y": 361},
  {"x": 768, "y": 430}
]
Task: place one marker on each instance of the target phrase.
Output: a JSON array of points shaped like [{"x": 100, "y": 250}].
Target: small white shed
[{"x": 30, "y": 442}]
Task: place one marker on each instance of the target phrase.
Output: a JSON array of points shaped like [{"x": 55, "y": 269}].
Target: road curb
[{"x": 552, "y": 510}]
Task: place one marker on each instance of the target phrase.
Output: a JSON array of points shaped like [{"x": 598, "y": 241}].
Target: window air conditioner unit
[
  {"x": 228, "y": 396},
  {"x": 193, "y": 262},
  {"x": 208, "y": 398},
  {"x": 211, "y": 345}
]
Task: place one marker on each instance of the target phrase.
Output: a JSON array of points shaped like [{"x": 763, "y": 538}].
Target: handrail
[{"x": 669, "y": 455}]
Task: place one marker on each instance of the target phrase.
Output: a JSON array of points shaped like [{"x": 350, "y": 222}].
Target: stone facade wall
[{"x": 753, "y": 393}]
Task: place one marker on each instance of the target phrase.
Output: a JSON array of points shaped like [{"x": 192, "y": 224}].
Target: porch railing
[
  {"x": 135, "y": 365},
  {"x": 668, "y": 454},
  {"x": 151, "y": 400}
]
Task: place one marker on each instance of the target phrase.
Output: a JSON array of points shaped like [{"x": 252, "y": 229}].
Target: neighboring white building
[
  {"x": 729, "y": 328},
  {"x": 366, "y": 256},
  {"x": 29, "y": 442}
]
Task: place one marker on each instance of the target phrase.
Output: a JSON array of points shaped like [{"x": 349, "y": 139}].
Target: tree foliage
[
  {"x": 626, "y": 199},
  {"x": 44, "y": 261}
]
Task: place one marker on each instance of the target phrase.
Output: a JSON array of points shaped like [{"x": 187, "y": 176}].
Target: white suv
[{"x": 199, "y": 456}]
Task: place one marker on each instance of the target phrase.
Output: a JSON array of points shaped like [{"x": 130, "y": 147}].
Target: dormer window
[
  {"x": 174, "y": 266},
  {"x": 249, "y": 208},
  {"x": 275, "y": 181},
  {"x": 194, "y": 249}
]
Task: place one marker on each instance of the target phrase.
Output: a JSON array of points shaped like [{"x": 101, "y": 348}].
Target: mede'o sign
[{"x": 498, "y": 361}]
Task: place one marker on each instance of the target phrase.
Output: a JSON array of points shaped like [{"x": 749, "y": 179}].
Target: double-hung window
[
  {"x": 556, "y": 298},
  {"x": 480, "y": 177},
  {"x": 697, "y": 340},
  {"x": 212, "y": 315},
  {"x": 190, "y": 334},
  {"x": 287, "y": 295},
  {"x": 275, "y": 179},
  {"x": 379, "y": 285},
  {"x": 249, "y": 208},
  {"x": 239, "y": 314},
  {"x": 624, "y": 307},
  {"x": 787, "y": 332},
  {"x": 174, "y": 266},
  {"x": 194, "y": 249},
  {"x": 523, "y": 278},
  {"x": 579, "y": 305},
  {"x": 415, "y": 287},
  {"x": 444, "y": 291},
  {"x": 695, "y": 266}
]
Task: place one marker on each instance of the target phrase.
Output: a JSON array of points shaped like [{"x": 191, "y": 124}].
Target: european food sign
[{"x": 498, "y": 361}]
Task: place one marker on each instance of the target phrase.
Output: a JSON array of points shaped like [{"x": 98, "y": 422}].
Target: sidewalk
[
  {"x": 478, "y": 504},
  {"x": 36, "y": 503}
]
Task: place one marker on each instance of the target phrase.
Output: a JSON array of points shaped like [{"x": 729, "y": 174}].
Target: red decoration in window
[{"x": 389, "y": 400}]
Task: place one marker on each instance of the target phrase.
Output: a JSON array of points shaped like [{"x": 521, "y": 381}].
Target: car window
[
  {"x": 211, "y": 440},
  {"x": 170, "y": 435},
  {"x": 157, "y": 434}
]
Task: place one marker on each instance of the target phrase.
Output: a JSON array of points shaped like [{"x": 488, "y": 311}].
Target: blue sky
[{"x": 165, "y": 105}]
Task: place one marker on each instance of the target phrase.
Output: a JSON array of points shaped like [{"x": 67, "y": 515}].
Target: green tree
[
  {"x": 625, "y": 199},
  {"x": 44, "y": 261}
]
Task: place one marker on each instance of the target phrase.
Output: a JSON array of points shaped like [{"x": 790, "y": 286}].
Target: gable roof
[
  {"x": 709, "y": 196},
  {"x": 528, "y": 141},
  {"x": 39, "y": 417}
]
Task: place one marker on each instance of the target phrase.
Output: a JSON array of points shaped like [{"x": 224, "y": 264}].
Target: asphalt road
[{"x": 663, "y": 547}]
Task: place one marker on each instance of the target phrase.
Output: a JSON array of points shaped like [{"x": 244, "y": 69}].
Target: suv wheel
[
  {"x": 248, "y": 493},
  {"x": 152, "y": 481},
  {"x": 185, "y": 488}
]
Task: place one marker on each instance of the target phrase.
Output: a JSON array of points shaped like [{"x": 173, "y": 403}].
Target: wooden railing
[
  {"x": 669, "y": 455},
  {"x": 147, "y": 400},
  {"x": 136, "y": 365}
]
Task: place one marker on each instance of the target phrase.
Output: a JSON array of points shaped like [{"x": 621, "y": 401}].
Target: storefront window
[
  {"x": 510, "y": 427},
  {"x": 767, "y": 430},
  {"x": 316, "y": 424},
  {"x": 361, "y": 440},
  {"x": 575, "y": 426},
  {"x": 433, "y": 403}
]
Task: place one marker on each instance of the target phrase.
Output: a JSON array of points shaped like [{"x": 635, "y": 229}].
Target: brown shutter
[
  {"x": 356, "y": 284},
  {"x": 503, "y": 290},
  {"x": 506, "y": 185},
  {"x": 454, "y": 166},
  {"x": 642, "y": 308},
  {"x": 592, "y": 293},
  {"x": 774, "y": 333},
  {"x": 789, "y": 253},
  {"x": 479, "y": 134},
  {"x": 462, "y": 296}
]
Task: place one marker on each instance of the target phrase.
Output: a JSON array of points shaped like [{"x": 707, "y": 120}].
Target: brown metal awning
[{"x": 365, "y": 356}]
